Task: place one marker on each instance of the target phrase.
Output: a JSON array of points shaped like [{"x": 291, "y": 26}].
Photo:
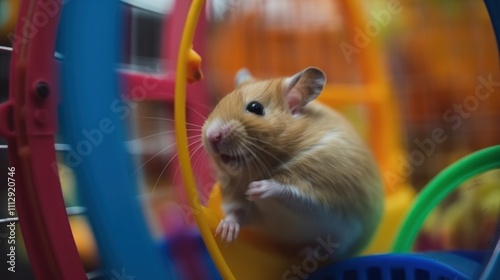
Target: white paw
[
  {"x": 262, "y": 189},
  {"x": 228, "y": 231}
]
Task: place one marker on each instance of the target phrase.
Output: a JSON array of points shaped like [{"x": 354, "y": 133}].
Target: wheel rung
[
  {"x": 5, "y": 49},
  {"x": 57, "y": 146},
  {"x": 96, "y": 274},
  {"x": 71, "y": 211}
]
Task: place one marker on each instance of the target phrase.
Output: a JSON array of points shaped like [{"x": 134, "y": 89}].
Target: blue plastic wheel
[{"x": 92, "y": 121}]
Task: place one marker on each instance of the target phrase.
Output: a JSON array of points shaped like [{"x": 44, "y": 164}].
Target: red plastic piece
[{"x": 29, "y": 128}]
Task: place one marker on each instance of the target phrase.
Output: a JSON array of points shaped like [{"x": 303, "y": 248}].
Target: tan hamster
[{"x": 292, "y": 167}]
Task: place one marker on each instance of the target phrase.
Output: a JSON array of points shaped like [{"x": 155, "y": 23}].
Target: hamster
[{"x": 292, "y": 167}]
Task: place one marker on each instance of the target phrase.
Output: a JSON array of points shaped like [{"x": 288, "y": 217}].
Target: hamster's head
[{"x": 245, "y": 128}]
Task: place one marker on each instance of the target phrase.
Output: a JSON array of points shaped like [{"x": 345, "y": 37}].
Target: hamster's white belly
[{"x": 307, "y": 226}]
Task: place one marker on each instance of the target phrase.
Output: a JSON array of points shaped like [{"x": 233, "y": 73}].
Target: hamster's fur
[{"x": 292, "y": 167}]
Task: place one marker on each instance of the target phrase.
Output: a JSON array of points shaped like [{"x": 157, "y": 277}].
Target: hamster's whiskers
[
  {"x": 262, "y": 149},
  {"x": 162, "y": 171},
  {"x": 170, "y": 120},
  {"x": 151, "y": 158},
  {"x": 198, "y": 113},
  {"x": 170, "y": 161},
  {"x": 167, "y": 132},
  {"x": 199, "y": 159},
  {"x": 261, "y": 163}
]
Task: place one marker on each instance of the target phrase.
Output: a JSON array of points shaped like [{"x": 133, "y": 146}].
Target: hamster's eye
[{"x": 255, "y": 108}]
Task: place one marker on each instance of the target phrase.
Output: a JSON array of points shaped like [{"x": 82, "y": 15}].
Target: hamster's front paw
[
  {"x": 263, "y": 189},
  {"x": 228, "y": 230}
]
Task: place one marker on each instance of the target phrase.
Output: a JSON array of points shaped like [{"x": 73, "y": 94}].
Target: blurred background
[{"x": 435, "y": 64}]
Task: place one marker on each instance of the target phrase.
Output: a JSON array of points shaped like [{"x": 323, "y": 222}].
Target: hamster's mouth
[{"x": 228, "y": 159}]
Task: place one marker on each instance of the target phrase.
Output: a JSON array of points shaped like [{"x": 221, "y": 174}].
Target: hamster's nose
[{"x": 214, "y": 137}]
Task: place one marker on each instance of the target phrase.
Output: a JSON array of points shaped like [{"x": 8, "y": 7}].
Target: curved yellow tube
[{"x": 182, "y": 142}]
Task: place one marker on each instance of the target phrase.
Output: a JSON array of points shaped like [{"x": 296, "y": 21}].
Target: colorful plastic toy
[{"x": 121, "y": 233}]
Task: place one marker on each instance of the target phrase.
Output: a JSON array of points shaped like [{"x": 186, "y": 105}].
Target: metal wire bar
[
  {"x": 58, "y": 147},
  {"x": 71, "y": 211}
]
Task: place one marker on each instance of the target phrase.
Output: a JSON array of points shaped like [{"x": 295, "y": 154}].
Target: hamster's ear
[
  {"x": 242, "y": 76},
  {"x": 303, "y": 87}
]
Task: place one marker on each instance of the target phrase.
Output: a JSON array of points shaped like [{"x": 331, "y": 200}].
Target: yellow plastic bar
[{"x": 182, "y": 142}]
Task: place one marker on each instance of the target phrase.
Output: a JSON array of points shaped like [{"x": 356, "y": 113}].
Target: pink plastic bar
[{"x": 29, "y": 123}]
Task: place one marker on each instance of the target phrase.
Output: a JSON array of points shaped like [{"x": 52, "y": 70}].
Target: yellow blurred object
[
  {"x": 194, "y": 73},
  {"x": 8, "y": 18},
  {"x": 82, "y": 233},
  {"x": 85, "y": 242},
  {"x": 397, "y": 205},
  {"x": 469, "y": 222}
]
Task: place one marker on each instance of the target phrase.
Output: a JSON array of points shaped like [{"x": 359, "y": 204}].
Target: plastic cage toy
[{"x": 90, "y": 84}]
